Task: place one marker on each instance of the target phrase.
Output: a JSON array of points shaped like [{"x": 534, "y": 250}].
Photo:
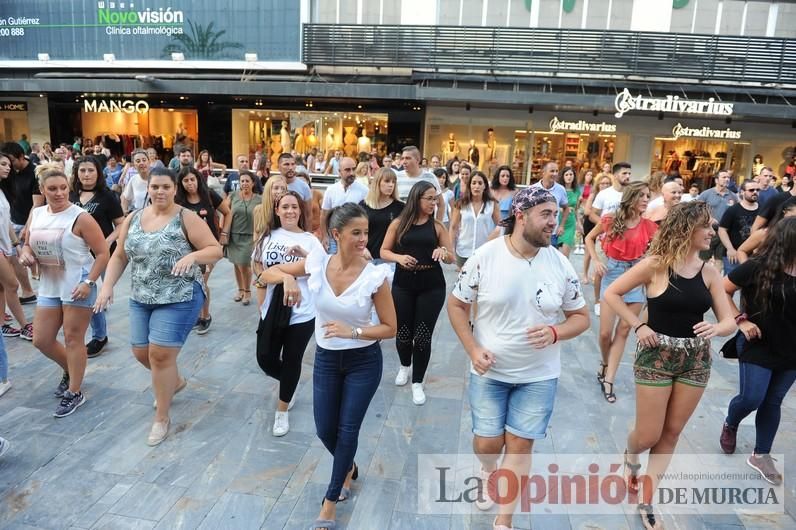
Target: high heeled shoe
[{"x": 345, "y": 493}]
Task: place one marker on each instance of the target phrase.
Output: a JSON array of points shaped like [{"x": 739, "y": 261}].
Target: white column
[
  {"x": 508, "y": 13},
  {"x": 535, "y": 14},
  {"x": 717, "y": 28},
  {"x": 743, "y": 18},
  {"x": 359, "y": 11},
  {"x": 773, "y": 13},
  {"x": 381, "y": 11},
  {"x": 693, "y": 18},
  {"x": 608, "y": 18},
  {"x": 651, "y": 15},
  {"x": 484, "y": 11},
  {"x": 583, "y": 17}
]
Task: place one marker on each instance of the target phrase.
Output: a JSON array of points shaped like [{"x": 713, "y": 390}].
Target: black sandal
[
  {"x": 601, "y": 373},
  {"x": 632, "y": 477},
  {"x": 610, "y": 397},
  {"x": 647, "y": 516}
]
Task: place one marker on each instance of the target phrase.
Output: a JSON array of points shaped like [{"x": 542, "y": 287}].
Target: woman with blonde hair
[
  {"x": 382, "y": 206},
  {"x": 362, "y": 173},
  {"x": 274, "y": 188},
  {"x": 673, "y": 359}
]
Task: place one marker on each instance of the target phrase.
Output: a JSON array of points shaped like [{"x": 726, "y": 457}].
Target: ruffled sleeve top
[{"x": 353, "y": 307}]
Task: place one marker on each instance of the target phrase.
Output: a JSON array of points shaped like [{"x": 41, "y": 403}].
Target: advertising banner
[{"x": 201, "y": 30}]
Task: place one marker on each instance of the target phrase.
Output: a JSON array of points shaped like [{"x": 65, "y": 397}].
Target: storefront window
[
  {"x": 300, "y": 132},
  {"x": 162, "y": 129},
  {"x": 698, "y": 160},
  {"x": 581, "y": 150},
  {"x": 13, "y": 125}
]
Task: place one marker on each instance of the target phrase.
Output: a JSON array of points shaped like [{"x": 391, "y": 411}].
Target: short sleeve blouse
[{"x": 354, "y": 306}]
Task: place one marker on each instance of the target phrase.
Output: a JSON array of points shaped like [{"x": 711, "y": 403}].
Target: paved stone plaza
[{"x": 220, "y": 467}]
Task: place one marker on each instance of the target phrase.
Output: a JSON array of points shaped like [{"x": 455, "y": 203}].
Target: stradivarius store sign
[
  {"x": 679, "y": 131},
  {"x": 626, "y": 102},
  {"x": 581, "y": 126}
]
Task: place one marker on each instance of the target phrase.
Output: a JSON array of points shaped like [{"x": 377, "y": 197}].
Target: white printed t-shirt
[
  {"x": 607, "y": 201},
  {"x": 513, "y": 296},
  {"x": 274, "y": 249}
]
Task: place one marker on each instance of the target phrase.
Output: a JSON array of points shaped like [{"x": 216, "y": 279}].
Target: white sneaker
[
  {"x": 281, "y": 424},
  {"x": 597, "y": 309},
  {"x": 579, "y": 250},
  {"x": 403, "y": 375},
  {"x": 5, "y": 387},
  {"x": 292, "y": 400},
  {"x": 418, "y": 396}
]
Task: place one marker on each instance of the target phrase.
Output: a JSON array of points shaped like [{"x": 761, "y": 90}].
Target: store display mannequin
[
  {"x": 757, "y": 165},
  {"x": 331, "y": 143},
  {"x": 450, "y": 148},
  {"x": 299, "y": 142},
  {"x": 349, "y": 141},
  {"x": 312, "y": 140},
  {"x": 276, "y": 149},
  {"x": 473, "y": 155},
  {"x": 491, "y": 145},
  {"x": 284, "y": 138},
  {"x": 363, "y": 143}
]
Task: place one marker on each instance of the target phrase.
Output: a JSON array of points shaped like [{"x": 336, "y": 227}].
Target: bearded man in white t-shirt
[{"x": 529, "y": 299}]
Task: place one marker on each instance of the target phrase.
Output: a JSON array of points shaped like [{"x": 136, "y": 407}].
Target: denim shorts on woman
[
  {"x": 674, "y": 360},
  {"x": 615, "y": 269},
  {"x": 166, "y": 325},
  {"x": 51, "y": 301},
  {"x": 523, "y": 409}
]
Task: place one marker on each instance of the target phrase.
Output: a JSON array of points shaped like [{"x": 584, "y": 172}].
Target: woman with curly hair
[
  {"x": 767, "y": 361},
  {"x": 627, "y": 235},
  {"x": 672, "y": 364}
]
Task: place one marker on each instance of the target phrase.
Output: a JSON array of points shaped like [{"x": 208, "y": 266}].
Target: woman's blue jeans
[
  {"x": 344, "y": 382},
  {"x": 763, "y": 390}
]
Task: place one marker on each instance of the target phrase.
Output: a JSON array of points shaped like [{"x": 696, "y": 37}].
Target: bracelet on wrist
[
  {"x": 635, "y": 330},
  {"x": 741, "y": 317},
  {"x": 555, "y": 333}
]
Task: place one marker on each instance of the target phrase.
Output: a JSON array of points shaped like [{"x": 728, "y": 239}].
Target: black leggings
[
  {"x": 417, "y": 313},
  {"x": 284, "y": 364}
]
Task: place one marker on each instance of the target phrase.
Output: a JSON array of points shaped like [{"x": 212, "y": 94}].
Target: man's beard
[{"x": 537, "y": 239}]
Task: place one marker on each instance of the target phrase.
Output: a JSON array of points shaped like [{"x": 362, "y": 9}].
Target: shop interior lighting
[
  {"x": 250, "y": 57},
  {"x": 109, "y": 57},
  {"x": 177, "y": 56},
  {"x": 44, "y": 57}
]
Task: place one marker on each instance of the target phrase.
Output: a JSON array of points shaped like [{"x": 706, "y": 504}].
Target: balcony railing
[{"x": 553, "y": 51}]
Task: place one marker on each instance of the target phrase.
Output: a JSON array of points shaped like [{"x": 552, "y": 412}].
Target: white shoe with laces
[
  {"x": 292, "y": 400},
  {"x": 281, "y": 424},
  {"x": 418, "y": 396},
  {"x": 403, "y": 375}
]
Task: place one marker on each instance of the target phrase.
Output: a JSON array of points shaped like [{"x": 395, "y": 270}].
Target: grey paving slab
[{"x": 221, "y": 467}]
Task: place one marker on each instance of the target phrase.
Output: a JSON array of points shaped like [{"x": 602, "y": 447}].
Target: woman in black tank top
[
  {"x": 417, "y": 243},
  {"x": 672, "y": 364}
]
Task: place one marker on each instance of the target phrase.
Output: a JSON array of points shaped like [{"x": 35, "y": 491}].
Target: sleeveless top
[
  {"x": 682, "y": 305},
  {"x": 474, "y": 228},
  {"x": 152, "y": 255},
  {"x": 243, "y": 213},
  {"x": 505, "y": 206},
  {"x": 632, "y": 244},
  {"x": 419, "y": 242},
  {"x": 6, "y": 248},
  {"x": 64, "y": 258}
]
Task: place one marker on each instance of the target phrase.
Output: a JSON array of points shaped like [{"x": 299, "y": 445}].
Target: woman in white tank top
[
  {"x": 474, "y": 218},
  {"x": 61, "y": 239}
]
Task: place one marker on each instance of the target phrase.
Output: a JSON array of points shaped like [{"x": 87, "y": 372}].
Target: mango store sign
[
  {"x": 581, "y": 126},
  {"x": 679, "y": 131},
  {"x": 625, "y": 102},
  {"x": 115, "y": 105}
]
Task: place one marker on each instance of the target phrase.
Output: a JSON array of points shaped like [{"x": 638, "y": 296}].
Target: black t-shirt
[
  {"x": 25, "y": 187},
  {"x": 773, "y": 204},
  {"x": 104, "y": 207},
  {"x": 738, "y": 222},
  {"x": 378, "y": 222},
  {"x": 774, "y": 350},
  {"x": 207, "y": 211}
]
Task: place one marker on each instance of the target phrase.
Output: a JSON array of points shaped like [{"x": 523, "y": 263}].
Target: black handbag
[{"x": 730, "y": 348}]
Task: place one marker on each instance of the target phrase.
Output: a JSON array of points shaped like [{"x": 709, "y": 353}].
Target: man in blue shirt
[{"x": 233, "y": 179}]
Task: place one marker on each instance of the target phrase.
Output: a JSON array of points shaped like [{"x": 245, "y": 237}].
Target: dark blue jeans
[
  {"x": 762, "y": 390},
  {"x": 344, "y": 382}
]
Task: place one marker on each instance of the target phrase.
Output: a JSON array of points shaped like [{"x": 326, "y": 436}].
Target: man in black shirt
[
  {"x": 735, "y": 225},
  {"x": 26, "y": 196},
  {"x": 767, "y": 213}
]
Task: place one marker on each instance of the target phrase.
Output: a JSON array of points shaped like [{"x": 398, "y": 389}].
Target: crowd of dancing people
[{"x": 364, "y": 262}]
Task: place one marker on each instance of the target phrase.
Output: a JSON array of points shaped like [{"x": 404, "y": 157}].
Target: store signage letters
[
  {"x": 625, "y": 102},
  {"x": 14, "y": 106},
  {"x": 705, "y": 132},
  {"x": 115, "y": 105},
  {"x": 581, "y": 126}
]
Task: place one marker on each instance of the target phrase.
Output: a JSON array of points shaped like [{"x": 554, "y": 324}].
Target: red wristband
[{"x": 555, "y": 334}]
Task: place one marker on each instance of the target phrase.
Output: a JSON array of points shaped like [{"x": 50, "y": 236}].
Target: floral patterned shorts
[{"x": 675, "y": 359}]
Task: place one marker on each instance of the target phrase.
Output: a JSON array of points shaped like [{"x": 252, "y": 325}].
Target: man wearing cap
[{"x": 515, "y": 354}]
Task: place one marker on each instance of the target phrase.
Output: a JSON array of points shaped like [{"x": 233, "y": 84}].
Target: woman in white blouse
[
  {"x": 474, "y": 218},
  {"x": 345, "y": 288}
]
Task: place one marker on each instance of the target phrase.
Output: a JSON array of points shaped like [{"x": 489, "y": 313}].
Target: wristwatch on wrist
[
  {"x": 90, "y": 283},
  {"x": 355, "y": 333}
]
